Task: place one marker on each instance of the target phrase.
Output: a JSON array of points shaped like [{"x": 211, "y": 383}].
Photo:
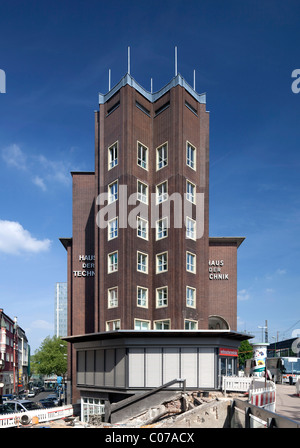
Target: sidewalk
[{"x": 287, "y": 402}]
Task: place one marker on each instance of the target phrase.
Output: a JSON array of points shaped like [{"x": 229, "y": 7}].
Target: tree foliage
[
  {"x": 50, "y": 358},
  {"x": 245, "y": 352}
]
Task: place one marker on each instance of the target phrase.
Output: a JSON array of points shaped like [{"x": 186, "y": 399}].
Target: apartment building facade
[{"x": 14, "y": 356}]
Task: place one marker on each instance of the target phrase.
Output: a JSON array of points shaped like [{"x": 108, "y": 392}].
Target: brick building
[
  {"x": 146, "y": 282},
  {"x": 14, "y": 353}
]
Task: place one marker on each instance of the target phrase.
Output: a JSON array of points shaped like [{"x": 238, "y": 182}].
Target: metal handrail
[
  {"x": 137, "y": 397},
  {"x": 271, "y": 419}
]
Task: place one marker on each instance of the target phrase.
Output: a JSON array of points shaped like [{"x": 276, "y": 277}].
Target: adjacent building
[
  {"x": 151, "y": 296},
  {"x": 60, "y": 310},
  {"x": 14, "y": 356}
]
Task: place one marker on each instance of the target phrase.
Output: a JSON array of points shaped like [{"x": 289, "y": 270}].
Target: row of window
[
  {"x": 143, "y": 192},
  {"x": 142, "y": 262},
  {"x": 140, "y": 324},
  {"x": 143, "y": 228},
  {"x": 143, "y": 156},
  {"x": 142, "y": 297}
]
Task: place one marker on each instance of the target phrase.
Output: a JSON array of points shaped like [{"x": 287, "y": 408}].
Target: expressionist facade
[{"x": 141, "y": 262}]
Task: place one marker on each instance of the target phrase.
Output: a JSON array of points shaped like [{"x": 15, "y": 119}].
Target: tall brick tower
[{"x": 140, "y": 258}]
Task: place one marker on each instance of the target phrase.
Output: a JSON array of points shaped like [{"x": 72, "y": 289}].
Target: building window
[
  {"x": 190, "y": 297},
  {"x": 112, "y": 325},
  {"x": 142, "y": 228},
  {"x": 142, "y": 156},
  {"x": 141, "y": 324},
  {"x": 190, "y": 325},
  {"x": 190, "y": 155},
  {"x": 162, "y": 262},
  {"x": 113, "y": 192},
  {"x": 161, "y": 228},
  {"x": 112, "y": 297},
  {"x": 161, "y": 156},
  {"x": 162, "y": 325},
  {"x": 142, "y": 297},
  {"x": 161, "y": 192},
  {"x": 190, "y": 192},
  {"x": 162, "y": 297},
  {"x": 112, "y": 262},
  {"x": 191, "y": 262},
  {"x": 142, "y": 192},
  {"x": 142, "y": 262},
  {"x": 190, "y": 228},
  {"x": 90, "y": 407},
  {"x": 113, "y": 228},
  {"x": 113, "y": 155}
]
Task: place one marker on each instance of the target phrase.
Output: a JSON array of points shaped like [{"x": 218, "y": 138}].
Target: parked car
[
  {"x": 53, "y": 398},
  {"x": 19, "y": 406},
  {"x": 31, "y": 393},
  {"x": 8, "y": 397},
  {"x": 47, "y": 403}
]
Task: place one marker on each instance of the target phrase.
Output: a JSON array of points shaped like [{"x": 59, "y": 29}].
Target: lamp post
[
  {"x": 275, "y": 354},
  {"x": 262, "y": 333}
]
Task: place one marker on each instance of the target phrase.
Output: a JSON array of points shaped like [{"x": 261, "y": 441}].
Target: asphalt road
[{"x": 287, "y": 402}]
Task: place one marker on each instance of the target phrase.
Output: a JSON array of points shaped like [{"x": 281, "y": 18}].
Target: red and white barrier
[
  {"x": 263, "y": 398},
  {"x": 43, "y": 415}
]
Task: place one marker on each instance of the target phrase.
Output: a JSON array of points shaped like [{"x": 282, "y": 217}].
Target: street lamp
[{"x": 262, "y": 333}]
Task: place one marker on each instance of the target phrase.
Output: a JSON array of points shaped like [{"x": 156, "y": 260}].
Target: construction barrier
[
  {"x": 263, "y": 398},
  {"x": 298, "y": 387},
  {"x": 38, "y": 416}
]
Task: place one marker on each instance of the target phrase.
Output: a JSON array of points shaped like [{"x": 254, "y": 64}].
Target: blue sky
[{"x": 56, "y": 56}]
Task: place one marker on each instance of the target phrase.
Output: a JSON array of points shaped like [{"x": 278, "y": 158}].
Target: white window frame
[
  {"x": 163, "y": 195},
  {"x": 191, "y": 191},
  {"x": 111, "y": 236},
  {"x": 113, "y": 194},
  {"x": 143, "y": 254},
  {"x": 163, "y": 322},
  {"x": 191, "y": 163},
  {"x": 142, "y": 321},
  {"x": 142, "y": 301},
  {"x": 146, "y": 226},
  {"x": 163, "y": 159},
  {"x": 112, "y": 265},
  {"x": 190, "y": 230},
  {"x": 116, "y": 324},
  {"x": 190, "y": 323},
  {"x": 191, "y": 302},
  {"x": 161, "y": 302},
  {"x": 142, "y": 197},
  {"x": 112, "y": 297},
  {"x": 113, "y": 155},
  {"x": 158, "y": 264},
  {"x": 140, "y": 158},
  {"x": 189, "y": 264},
  {"x": 164, "y": 229}
]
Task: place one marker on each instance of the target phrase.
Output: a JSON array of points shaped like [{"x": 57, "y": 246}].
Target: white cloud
[
  {"x": 14, "y": 239},
  {"x": 54, "y": 171},
  {"x": 14, "y": 156},
  {"x": 38, "y": 181},
  {"x": 243, "y": 295}
]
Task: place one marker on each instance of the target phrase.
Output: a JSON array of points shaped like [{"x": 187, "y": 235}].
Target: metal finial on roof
[
  {"x": 109, "y": 79},
  {"x": 175, "y": 61},
  {"x": 128, "y": 62}
]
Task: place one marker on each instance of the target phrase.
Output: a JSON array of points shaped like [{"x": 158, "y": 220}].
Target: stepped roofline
[{"x": 129, "y": 80}]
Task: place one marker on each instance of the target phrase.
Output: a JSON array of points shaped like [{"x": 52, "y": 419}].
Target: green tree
[
  {"x": 50, "y": 358},
  {"x": 245, "y": 352}
]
